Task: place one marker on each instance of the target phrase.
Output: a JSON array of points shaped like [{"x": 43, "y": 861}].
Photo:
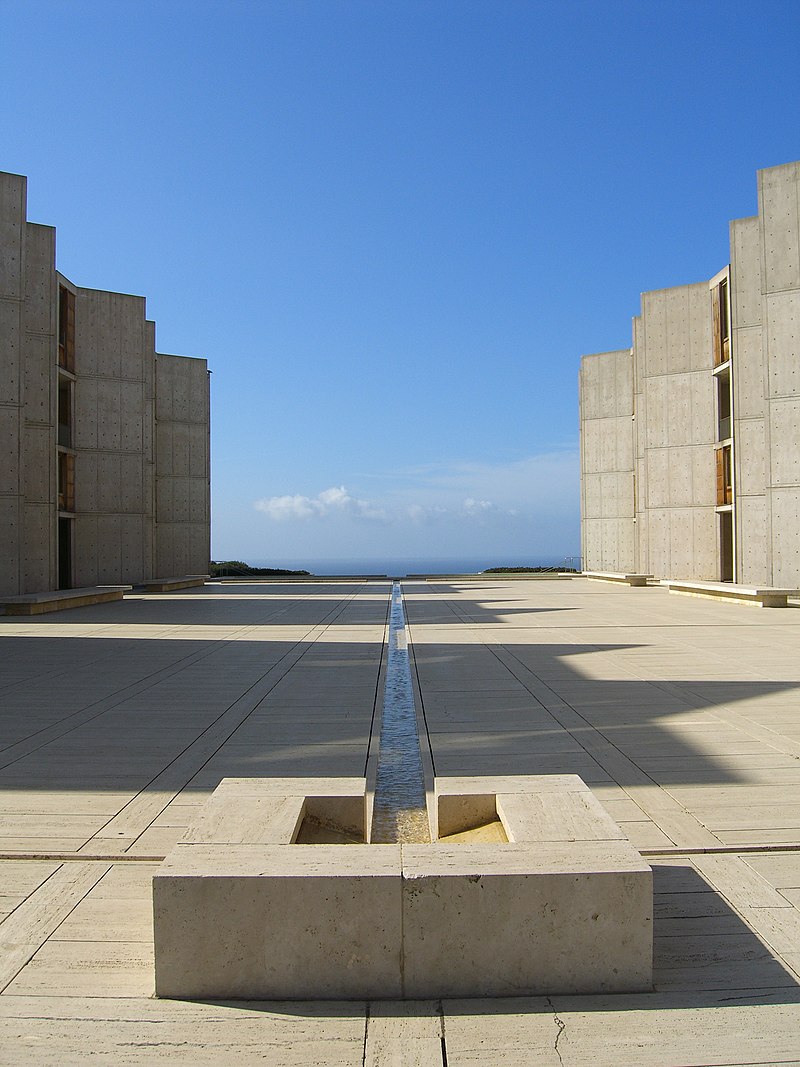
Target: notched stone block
[{"x": 531, "y": 889}]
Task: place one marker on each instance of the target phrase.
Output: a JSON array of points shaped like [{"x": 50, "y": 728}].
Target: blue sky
[{"x": 393, "y": 228}]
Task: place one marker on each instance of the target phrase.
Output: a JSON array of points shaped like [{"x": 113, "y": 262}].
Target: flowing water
[{"x": 400, "y": 814}]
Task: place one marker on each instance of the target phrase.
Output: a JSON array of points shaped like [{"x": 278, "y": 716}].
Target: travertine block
[
  {"x": 278, "y": 921},
  {"x": 511, "y": 920},
  {"x": 564, "y": 906}
]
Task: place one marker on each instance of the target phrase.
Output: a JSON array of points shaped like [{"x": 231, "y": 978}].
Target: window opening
[
  {"x": 66, "y": 329},
  {"x": 66, "y": 482}
]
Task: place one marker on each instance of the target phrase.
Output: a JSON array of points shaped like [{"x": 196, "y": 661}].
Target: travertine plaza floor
[{"x": 682, "y": 714}]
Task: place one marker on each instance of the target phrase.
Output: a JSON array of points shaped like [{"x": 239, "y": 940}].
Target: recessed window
[
  {"x": 66, "y": 481},
  {"x": 65, "y": 412},
  {"x": 724, "y": 475},
  {"x": 721, "y": 323},
  {"x": 723, "y": 406},
  {"x": 66, "y": 329}
]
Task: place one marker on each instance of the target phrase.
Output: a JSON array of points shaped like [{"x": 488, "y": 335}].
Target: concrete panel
[
  {"x": 703, "y": 428},
  {"x": 654, "y": 323},
  {"x": 109, "y": 549},
  {"x": 785, "y": 537},
  {"x": 39, "y": 308},
  {"x": 9, "y": 451},
  {"x": 780, "y": 227},
  {"x": 679, "y": 409},
  {"x": 751, "y": 544},
  {"x": 198, "y": 451},
  {"x": 108, "y": 414},
  {"x": 10, "y": 511},
  {"x": 592, "y": 495},
  {"x": 679, "y": 476},
  {"x": 11, "y": 346},
  {"x": 13, "y": 210},
  {"x": 783, "y": 343},
  {"x": 658, "y": 543},
  {"x": 164, "y": 448},
  {"x": 703, "y": 476},
  {"x": 86, "y": 488},
  {"x": 593, "y": 544},
  {"x": 85, "y": 550},
  {"x": 37, "y": 457},
  {"x": 748, "y": 373},
  {"x": 681, "y": 543},
  {"x": 678, "y": 348},
  {"x": 132, "y": 496},
  {"x": 626, "y": 540},
  {"x": 198, "y": 501},
  {"x": 658, "y": 467},
  {"x": 38, "y": 524},
  {"x": 590, "y": 433},
  {"x": 132, "y": 548},
  {"x": 165, "y": 500},
  {"x": 38, "y": 360},
  {"x": 654, "y": 419},
  {"x": 699, "y": 327},
  {"x": 109, "y": 488},
  {"x": 199, "y": 549},
  {"x": 164, "y": 556},
  {"x": 180, "y": 498},
  {"x": 85, "y": 401},
  {"x": 131, "y": 417},
  {"x": 180, "y": 450},
  {"x": 149, "y": 368},
  {"x": 784, "y": 436},
  {"x": 165, "y": 387},
  {"x": 751, "y": 478},
  {"x": 704, "y": 544},
  {"x": 745, "y": 289}
]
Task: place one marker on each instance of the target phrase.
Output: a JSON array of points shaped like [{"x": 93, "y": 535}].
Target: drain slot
[{"x": 400, "y": 813}]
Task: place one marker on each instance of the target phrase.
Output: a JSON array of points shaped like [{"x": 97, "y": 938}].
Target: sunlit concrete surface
[{"x": 680, "y": 714}]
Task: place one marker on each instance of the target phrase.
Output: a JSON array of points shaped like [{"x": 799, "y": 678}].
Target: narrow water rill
[{"x": 400, "y": 814}]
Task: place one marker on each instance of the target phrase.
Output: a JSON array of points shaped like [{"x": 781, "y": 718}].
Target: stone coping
[
  {"x": 634, "y": 580},
  {"x": 554, "y": 576},
  {"x": 165, "y": 585},
  {"x": 763, "y": 596},
  {"x": 61, "y": 599}
]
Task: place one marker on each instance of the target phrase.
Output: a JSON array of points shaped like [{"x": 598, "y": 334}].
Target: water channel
[{"x": 400, "y": 814}]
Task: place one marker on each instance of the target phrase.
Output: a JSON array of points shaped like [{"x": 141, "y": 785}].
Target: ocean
[{"x": 398, "y": 567}]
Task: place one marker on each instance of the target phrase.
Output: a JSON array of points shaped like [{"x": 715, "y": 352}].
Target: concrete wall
[
  {"x": 114, "y": 434},
  {"x": 675, "y": 432},
  {"x": 12, "y": 289},
  {"x": 27, "y": 400},
  {"x": 779, "y": 232},
  {"x": 114, "y": 364},
  {"x": 753, "y": 547},
  {"x": 674, "y": 410},
  {"x": 182, "y": 466},
  {"x": 607, "y": 469}
]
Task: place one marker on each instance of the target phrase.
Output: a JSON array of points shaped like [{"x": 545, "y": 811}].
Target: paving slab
[{"x": 680, "y": 714}]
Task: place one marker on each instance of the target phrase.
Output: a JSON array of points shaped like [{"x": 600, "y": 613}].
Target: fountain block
[{"x": 529, "y": 887}]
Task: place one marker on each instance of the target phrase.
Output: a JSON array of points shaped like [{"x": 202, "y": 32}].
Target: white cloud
[
  {"x": 449, "y": 499},
  {"x": 333, "y": 501}
]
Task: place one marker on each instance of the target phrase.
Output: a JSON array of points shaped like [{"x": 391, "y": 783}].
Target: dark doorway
[
  {"x": 726, "y": 546},
  {"x": 65, "y": 553}
]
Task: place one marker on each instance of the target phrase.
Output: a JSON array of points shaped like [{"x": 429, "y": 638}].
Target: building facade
[
  {"x": 104, "y": 477},
  {"x": 690, "y": 439}
]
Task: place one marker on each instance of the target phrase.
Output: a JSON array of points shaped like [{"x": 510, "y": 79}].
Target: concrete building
[
  {"x": 104, "y": 477},
  {"x": 690, "y": 439}
]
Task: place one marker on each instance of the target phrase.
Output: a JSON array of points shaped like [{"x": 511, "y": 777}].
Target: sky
[{"x": 393, "y": 228}]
